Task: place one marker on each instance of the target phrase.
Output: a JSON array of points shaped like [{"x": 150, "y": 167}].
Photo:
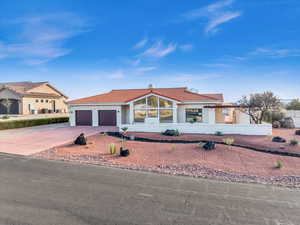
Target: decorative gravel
[{"x": 193, "y": 170}]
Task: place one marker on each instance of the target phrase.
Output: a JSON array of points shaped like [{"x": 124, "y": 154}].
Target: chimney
[{"x": 150, "y": 86}]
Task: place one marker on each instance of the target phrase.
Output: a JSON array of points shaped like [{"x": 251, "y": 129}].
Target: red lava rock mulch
[
  {"x": 225, "y": 162},
  {"x": 260, "y": 142}
]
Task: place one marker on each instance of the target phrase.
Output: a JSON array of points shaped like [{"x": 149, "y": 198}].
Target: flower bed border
[{"x": 140, "y": 139}]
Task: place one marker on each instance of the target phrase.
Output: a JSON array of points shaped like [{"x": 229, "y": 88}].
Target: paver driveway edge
[{"x": 32, "y": 142}]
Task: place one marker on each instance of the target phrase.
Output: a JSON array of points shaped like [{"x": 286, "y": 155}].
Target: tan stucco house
[{"x": 25, "y": 98}]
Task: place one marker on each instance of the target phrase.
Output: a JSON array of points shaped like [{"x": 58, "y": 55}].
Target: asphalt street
[{"x": 42, "y": 192}]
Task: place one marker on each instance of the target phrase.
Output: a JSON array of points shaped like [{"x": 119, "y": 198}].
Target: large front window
[
  {"x": 166, "y": 115},
  {"x": 139, "y": 115},
  {"x": 193, "y": 115},
  {"x": 153, "y": 107}
]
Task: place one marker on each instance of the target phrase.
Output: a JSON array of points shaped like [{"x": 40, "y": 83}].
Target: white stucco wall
[
  {"x": 181, "y": 111},
  {"x": 242, "y": 118},
  {"x": 203, "y": 128},
  {"x": 208, "y": 114},
  {"x": 94, "y": 112},
  {"x": 125, "y": 114}
]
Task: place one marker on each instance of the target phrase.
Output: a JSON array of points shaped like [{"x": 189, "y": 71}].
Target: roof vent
[{"x": 150, "y": 86}]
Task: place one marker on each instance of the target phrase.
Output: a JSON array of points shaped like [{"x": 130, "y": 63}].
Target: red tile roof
[
  {"x": 127, "y": 95},
  {"x": 24, "y": 89}
]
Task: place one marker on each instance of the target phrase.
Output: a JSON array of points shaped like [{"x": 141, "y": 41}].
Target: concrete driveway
[
  {"x": 41, "y": 192},
  {"x": 27, "y": 141}
]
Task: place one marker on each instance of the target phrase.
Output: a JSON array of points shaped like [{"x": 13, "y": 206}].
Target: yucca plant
[
  {"x": 278, "y": 164},
  {"x": 294, "y": 142},
  {"x": 228, "y": 141},
  {"x": 173, "y": 148},
  {"x": 112, "y": 149},
  {"x": 200, "y": 144}
]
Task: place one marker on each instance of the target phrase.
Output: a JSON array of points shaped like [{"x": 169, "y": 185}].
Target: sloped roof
[
  {"x": 127, "y": 95},
  {"x": 23, "y": 88}
]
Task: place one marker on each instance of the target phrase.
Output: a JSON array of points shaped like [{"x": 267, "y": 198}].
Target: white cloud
[
  {"x": 194, "y": 77},
  {"x": 159, "y": 50},
  {"x": 276, "y": 53},
  {"x": 216, "y": 14},
  {"x": 217, "y": 65},
  {"x": 141, "y": 43},
  {"x": 145, "y": 69},
  {"x": 224, "y": 18},
  {"x": 186, "y": 47},
  {"x": 41, "y": 38},
  {"x": 135, "y": 62},
  {"x": 119, "y": 74}
]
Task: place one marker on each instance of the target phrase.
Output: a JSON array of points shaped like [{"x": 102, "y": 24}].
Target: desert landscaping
[{"x": 225, "y": 162}]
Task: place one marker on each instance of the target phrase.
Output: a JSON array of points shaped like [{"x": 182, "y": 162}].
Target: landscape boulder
[
  {"x": 171, "y": 133},
  {"x": 81, "y": 140},
  {"x": 278, "y": 139},
  {"x": 209, "y": 145},
  {"x": 276, "y": 124},
  {"x": 124, "y": 152},
  {"x": 287, "y": 122}
]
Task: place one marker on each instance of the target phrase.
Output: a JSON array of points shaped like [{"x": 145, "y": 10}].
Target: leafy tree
[
  {"x": 259, "y": 104},
  {"x": 293, "y": 105}
]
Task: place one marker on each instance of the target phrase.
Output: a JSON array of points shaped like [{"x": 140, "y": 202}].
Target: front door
[{"x": 107, "y": 117}]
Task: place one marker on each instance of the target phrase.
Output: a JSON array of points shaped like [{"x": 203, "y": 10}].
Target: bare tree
[{"x": 259, "y": 104}]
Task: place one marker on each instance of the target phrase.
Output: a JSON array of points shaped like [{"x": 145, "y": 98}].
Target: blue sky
[{"x": 234, "y": 47}]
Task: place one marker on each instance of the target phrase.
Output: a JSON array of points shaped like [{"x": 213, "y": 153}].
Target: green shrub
[
  {"x": 112, "y": 149},
  {"x": 228, "y": 141},
  {"x": 294, "y": 142},
  {"x": 171, "y": 132},
  {"x": 30, "y": 123},
  {"x": 219, "y": 133},
  {"x": 177, "y": 133},
  {"x": 6, "y": 117},
  {"x": 278, "y": 164},
  {"x": 273, "y": 116}
]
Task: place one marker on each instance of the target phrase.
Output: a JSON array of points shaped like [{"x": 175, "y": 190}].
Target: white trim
[
  {"x": 98, "y": 104},
  {"x": 202, "y": 102},
  {"x": 158, "y": 108},
  {"x": 95, "y": 110},
  {"x": 194, "y": 107},
  {"x": 150, "y": 94}
]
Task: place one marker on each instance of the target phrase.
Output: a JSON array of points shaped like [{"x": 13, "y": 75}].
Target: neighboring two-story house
[{"x": 25, "y": 98}]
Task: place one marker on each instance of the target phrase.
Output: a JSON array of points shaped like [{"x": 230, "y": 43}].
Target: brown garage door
[
  {"x": 107, "y": 117},
  {"x": 84, "y": 117}
]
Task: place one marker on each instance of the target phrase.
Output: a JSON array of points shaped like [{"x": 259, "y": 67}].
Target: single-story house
[
  {"x": 158, "y": 109},
  {"x": 23, "y": 98}
]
